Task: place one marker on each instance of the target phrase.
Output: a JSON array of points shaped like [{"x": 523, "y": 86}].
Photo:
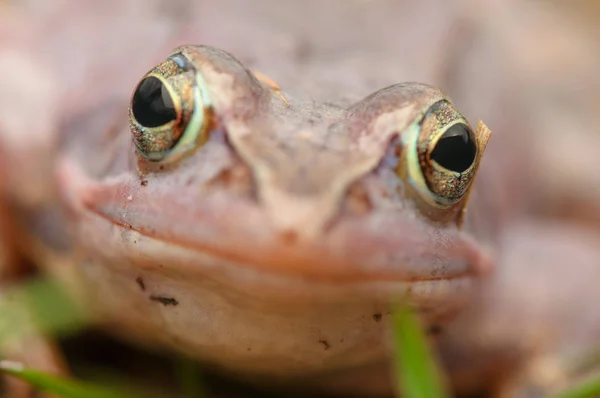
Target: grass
[
  {"x": 42, "y": 303},
  {"x": 587, "y": 389},
  {"x": 62, "y": 387},
  {"x": 416, "y": 371},
  {"x": 191, "y": 383}
]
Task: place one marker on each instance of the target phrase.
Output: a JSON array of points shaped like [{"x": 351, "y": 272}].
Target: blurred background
[{"x": 529, "y": 68}]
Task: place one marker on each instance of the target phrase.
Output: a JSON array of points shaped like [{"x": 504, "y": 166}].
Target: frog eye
[
  {"x": 169, "y": 111},
  {"x": 152, "y": 104},
  {"x": 455, "y": 150},
  {"x": 443, "y": 154}
]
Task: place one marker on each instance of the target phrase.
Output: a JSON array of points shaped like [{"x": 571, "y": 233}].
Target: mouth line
[{"x": 283, "y": 268}]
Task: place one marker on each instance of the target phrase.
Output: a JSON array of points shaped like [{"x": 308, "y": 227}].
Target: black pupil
[
  {"x": 456, "y": 149},
  {"x": 152, "y": 105}
]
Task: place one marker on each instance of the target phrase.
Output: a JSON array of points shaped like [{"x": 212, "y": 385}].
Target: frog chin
[{"x": 246, "y": 320}]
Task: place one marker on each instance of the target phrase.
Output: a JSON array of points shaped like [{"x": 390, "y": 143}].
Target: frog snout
[{"x": 298, "y": 218}]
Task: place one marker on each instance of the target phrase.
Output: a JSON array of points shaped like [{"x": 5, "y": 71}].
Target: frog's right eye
[
  {"x": 169, "y": 111},
  {"x": 439, "y": 160}
]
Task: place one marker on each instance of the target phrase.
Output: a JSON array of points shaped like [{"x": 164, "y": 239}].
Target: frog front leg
[{"x": 536, "y": 322}]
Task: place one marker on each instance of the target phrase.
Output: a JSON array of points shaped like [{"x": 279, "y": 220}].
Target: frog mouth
[{"x": 379, "y": 247}]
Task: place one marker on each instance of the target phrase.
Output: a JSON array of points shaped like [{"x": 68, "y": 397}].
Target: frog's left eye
[
  {"x": 169, "y": 110},
  {"x": 442, "y": 155}
]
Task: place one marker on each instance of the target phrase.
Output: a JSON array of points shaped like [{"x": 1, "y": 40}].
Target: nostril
[{"x": 289, "y": 237}]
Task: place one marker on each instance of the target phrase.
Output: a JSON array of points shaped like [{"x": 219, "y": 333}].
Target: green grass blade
[
  {"x": 417, "y": 375},
  {"x": 190, "y": 378},
  {"x": 40, "y": 304},
  {"x": 587, "y": 389},
  {"x": 52, "y": 308},
  {"x": 61, "y": 387}
]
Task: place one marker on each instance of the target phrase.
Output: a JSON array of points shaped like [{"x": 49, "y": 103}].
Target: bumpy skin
[
  {"x": 141, "y": 234},
  {"x": 294, "y": 230}
]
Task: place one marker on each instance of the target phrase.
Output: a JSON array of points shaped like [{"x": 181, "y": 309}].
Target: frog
[
  {"x": 323, "y": 216},
  {"x": 241, "y": 154}
]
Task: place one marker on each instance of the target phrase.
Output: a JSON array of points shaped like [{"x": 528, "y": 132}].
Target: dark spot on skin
[
  {"x": 161, "y": 167},
  {"x": 434, "y": 330},
  {"x": 165, "y": 300},
  {"x": 289, "y": 237},
  {"x": 325, "y": 344},
  {"x": 341, "y": 340},
  {"x": 144, "y": 183},
  {"x": 377, "y": 317},
  {"x": 358, "y": 201},
  {"x": 396, "y": 143},
  {"x": 249, "y": 349},
  {"x": 140, "y": 283}
]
